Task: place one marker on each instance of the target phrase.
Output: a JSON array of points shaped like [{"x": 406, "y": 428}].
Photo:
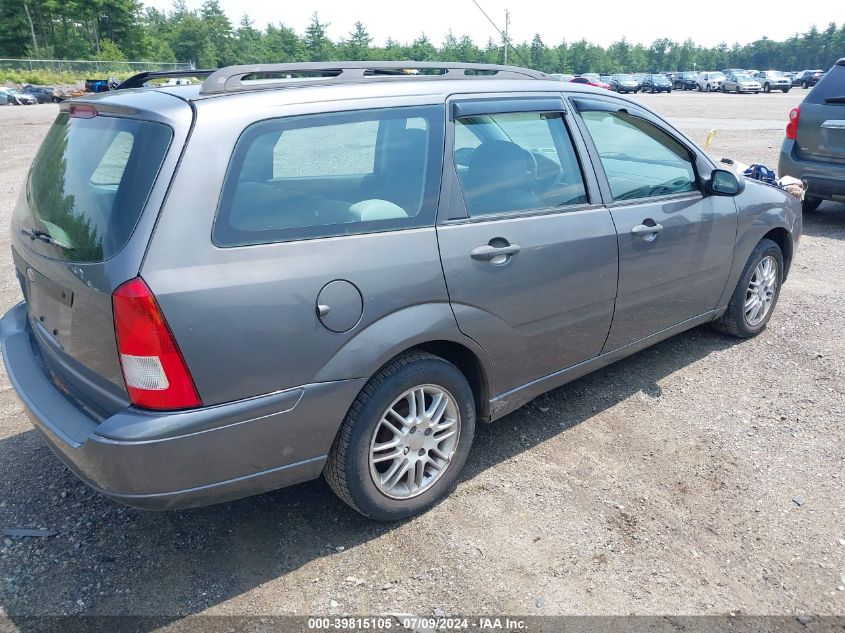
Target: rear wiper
[
  {"x": 835, "y": 99},
  {"x": 44, "y": 236}
]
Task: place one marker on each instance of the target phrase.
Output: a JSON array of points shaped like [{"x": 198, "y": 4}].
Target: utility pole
[
  {"x": 32, "y": 29},
  {"x": 507, "y": 23}
]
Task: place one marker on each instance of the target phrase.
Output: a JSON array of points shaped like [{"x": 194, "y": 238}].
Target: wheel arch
[
  {"x": 428, "y": 327},
  {"x": 783, "y": 239}
]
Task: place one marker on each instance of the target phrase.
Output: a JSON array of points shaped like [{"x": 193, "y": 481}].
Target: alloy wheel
[
  {"x": 761, "y": 291},
  {"x": 414, "y": 441}
]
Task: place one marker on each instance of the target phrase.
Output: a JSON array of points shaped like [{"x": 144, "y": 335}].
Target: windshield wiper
[
  {"x": 835, "y": 99},
  {"x": 44, "y": 236}
]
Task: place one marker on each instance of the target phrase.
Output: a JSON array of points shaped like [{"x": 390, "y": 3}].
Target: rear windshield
[
  {"x": 830, "y": 89},
  {"x": 88, "y": 185}
]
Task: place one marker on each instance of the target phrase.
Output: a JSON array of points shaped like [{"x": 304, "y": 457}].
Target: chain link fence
[{"x": 88, "y": 66}]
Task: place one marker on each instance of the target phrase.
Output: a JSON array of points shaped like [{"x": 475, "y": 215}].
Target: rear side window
[
  {"x": 639, "y": 159},
  {"x": 332, "y": 174},
  {"x": 88, "y": 185},
  {"x": 830, "y": 89}
]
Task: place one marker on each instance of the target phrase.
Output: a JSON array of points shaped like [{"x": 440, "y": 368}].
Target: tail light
[
  {"x": 792, "y": 126},
  {"x": 155, "y": 373}
]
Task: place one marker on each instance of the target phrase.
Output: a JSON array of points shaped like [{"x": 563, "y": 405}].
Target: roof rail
[
  {"x": 231, "y": 78},
  {"x": 138, "y": 80}
]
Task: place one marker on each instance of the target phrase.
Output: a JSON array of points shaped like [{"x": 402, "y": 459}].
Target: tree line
[{"x": 119, "y": 30}]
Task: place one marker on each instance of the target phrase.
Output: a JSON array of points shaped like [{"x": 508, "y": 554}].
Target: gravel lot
[{"x": 701, "y": 476}]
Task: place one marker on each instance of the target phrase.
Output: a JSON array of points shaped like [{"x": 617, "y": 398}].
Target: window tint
[
  {"x": 351, "y": 145},
  {"x": 517, "y": 162},
  {"x": 89, "y": 183},
  {"x": 830, "y": 86},
  {"x": 639, "y": 159},
  {"x": 332, "y": 174}
]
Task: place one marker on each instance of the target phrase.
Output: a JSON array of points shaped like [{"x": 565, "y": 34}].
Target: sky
[{"x": 707, "y": 23}]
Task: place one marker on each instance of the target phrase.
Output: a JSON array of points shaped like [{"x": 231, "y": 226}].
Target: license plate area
[{"x": 50, "y": 305}]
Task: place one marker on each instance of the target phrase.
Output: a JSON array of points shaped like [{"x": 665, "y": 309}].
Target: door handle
[
  {"x": 647, "y": 230},
  {"x": 488, "y": 253}
]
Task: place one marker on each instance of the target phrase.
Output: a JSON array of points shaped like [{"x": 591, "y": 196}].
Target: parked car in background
[
  {"x": 624, "y": 83},
  {"x": 561, "y": 76},
  {"x": 807, "y": 78},
  {"x": 377, "y": 321},
  {"x": 16, "y": 97},
  {"x": 740, "y": 83},
  {"x": 43, "y": 94},
  {"x": 814, "y": 148},
  {"x": 588, "y": 81},
  {"x": 640, "y": 77},
  {"x": 686, "y": 80},
  {"x": 4, "y": 99},
  {"x": 656, "y": 83},
  {"x": 710, "y": 81},
  {"x": 734, "y": 71},
  {"x": 773, "y": 80}
]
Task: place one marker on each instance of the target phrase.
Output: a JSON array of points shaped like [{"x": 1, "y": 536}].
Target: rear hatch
[
  {"x": 81, "y": 226},
  {"x": 821, "y": 128}
]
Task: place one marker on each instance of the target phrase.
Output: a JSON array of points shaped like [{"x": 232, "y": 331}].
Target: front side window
[
  {"x": 639, "y": 159},
  {"x": 332, "y": 174},
  {"x": 517, "y": 162}
]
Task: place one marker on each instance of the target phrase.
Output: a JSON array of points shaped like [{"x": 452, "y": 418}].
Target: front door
[
  {"x": 528, "y": 251},
  {"x": 675, "y": 243}
]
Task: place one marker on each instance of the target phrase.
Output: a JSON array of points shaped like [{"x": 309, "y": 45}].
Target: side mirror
[{"x": 725, "y": 183}]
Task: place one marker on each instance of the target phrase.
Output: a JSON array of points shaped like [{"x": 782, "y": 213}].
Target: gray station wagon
[{"x": 339, "y": 268}]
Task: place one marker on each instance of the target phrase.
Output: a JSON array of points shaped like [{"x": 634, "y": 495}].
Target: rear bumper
[
  {"x": 168, "y": 460},
  {"x": 824, "y": 179}
]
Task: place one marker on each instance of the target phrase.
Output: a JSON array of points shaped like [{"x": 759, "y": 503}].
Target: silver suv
[{"x": 339, "y": 268}]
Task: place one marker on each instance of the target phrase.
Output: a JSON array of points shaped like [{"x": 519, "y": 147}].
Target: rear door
[
  {"x": 675, "y": 244},
  {"x": 528, "y": 250},
  {"x": 821, "y": 128}
]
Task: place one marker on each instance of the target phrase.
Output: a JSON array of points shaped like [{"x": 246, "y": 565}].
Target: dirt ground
[{"x": 701, "y": 476}]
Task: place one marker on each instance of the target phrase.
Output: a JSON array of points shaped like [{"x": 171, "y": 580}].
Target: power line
[{"x": 505, "y": 38}]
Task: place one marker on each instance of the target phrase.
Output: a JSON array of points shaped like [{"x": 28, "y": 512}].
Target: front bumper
[
  {"x": 824, "y": 180},
  {"x": 168, "y": 460}
]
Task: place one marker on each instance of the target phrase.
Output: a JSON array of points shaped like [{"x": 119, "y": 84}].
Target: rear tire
[
  {"x": 810, "y": 204},
  {"x": 741, "y": 318},
  {"x": 767, "y": 88},
  {"x": 381, "y": 414},
  {"x": 804, "y": 85}
]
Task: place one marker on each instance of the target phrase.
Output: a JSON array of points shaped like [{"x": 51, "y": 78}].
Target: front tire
[
  {"x": 405, "y": 438},
  {"x": 810, "y": 204},
  {"x": 756, "y": 294},
  {"x": 804, "y": 85},
  {"x": 767, "y": 88}
]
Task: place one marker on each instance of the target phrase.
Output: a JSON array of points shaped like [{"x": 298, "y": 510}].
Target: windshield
[
  {"x": 774, "y": 74},
  {"x": 624, "y": 78},
  {"x": 88, "y": 185},
  {"x": 744, "y": 78}
]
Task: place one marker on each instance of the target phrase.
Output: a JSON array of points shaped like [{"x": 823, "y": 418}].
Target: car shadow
[
  {"x": 111, "y": 560},
  {"x": 828, "y": 221}
]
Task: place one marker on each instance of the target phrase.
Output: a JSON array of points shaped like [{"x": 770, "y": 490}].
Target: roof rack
[
  {"x": 138, "y": 80},
  {"x": 265, "y": 76}
]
